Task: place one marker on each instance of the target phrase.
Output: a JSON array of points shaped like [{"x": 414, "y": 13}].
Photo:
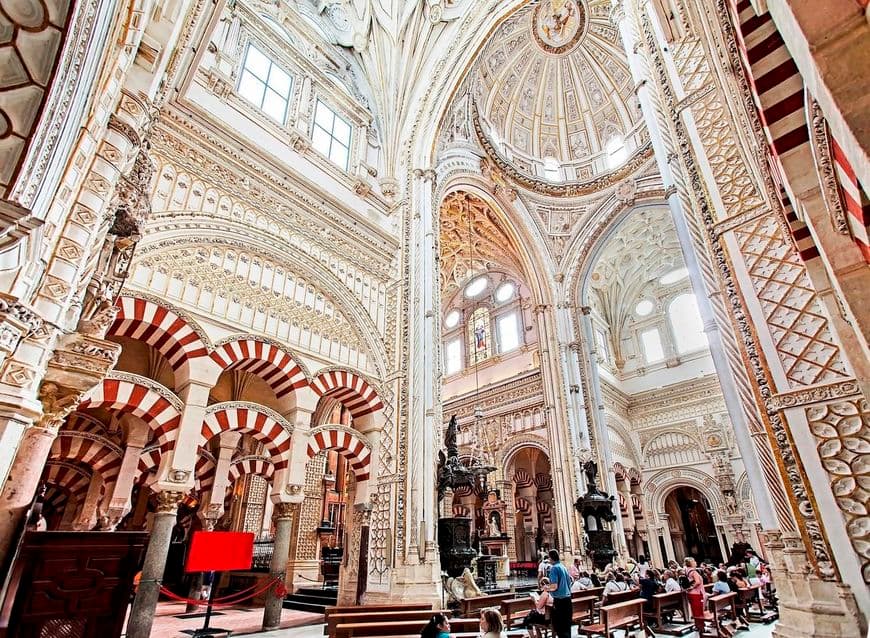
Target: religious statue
[
  {"x": 493, "y": 525},
  {"x": 590, "y": 468},
  {"x": 451, "y": 472}
]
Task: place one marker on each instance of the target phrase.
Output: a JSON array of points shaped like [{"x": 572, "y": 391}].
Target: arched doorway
[
  {"x": 535, "y": 521},
  {"x": 693, "y": 530}
]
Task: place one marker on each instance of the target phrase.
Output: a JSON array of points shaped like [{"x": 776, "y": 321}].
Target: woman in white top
[
  {"x": 671, "y": 583},
  {"x": 615, "y": 584}
]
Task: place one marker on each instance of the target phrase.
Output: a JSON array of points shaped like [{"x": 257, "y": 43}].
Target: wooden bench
[
  {"x": 418, "y": 616},
  {"x": 619, "y": 597},
  {"x": 585, "y": 593},
  {"x": 750, "y": 595},
  {"x": 720, "y": 608},
  {"x": 627, "y": 616},
  {"x": 664, "y": 606},
  {"x": 367, "y": 609},
  {"x": 514, "y": 610},
  {"x": 472, "y": 606},
  {"x": 458, "y": 627},
  {"x": 583, "y": 610}
]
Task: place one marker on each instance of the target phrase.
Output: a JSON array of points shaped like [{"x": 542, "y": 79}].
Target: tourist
[
  {"x": 560, "y": 587},
  {"x": 751, "y": 564},
  {"x": 721, "y": 585},
  {"x": 671, "y": 583},
  {"x": 491, "y": 623},
  {"x": 543, "y": 602},
  {"x": 543, "y": 568},
  {"x": 642, "y": 566},
  {"x": 574, "y": 570},
  {"x": 649, "y": 587},
  {"x": 582, "y": 583},
  {"x": 437, "y": 627},
  {"x": 693, "y": 585},
  {"x": 615, "y": 584}
]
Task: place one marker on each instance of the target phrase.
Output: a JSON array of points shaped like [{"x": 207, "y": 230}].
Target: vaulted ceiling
[{"x": 553, "y": 81}]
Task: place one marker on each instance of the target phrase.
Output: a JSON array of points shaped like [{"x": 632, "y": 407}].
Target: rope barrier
[{"x": 229, "y": 600}]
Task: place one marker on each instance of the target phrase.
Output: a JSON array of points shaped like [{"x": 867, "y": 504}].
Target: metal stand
[{"x": 205, "y": 630}]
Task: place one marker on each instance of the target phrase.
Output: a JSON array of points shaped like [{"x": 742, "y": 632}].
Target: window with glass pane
[
  {"x": 652, "y": 345},
  {"x": 331, "y": 135},
  {"x": 687, "y": 324},
  {"x": 508, "y": 332},
  {"x": 265, "y": 85},
  {"x": 453, "y": 356}
]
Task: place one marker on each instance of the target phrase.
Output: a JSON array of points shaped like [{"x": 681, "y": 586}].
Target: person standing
[
  {"x": 560, "y": 588},
  {"x": 694, "y": 587}
]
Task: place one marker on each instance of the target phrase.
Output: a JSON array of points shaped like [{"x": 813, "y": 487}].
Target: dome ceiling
[{"x": 553, "y": 82}]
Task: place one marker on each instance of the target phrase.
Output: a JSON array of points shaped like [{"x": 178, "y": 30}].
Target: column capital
[
  {"x": 167, "y": 501},
  {"x": 285, "y": 511}
]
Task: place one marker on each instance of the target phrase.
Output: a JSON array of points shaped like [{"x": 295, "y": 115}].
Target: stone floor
[{"x": 242, "y": 621}]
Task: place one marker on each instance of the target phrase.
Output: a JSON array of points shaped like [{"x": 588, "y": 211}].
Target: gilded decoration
[{"x": 473, "y": 240}]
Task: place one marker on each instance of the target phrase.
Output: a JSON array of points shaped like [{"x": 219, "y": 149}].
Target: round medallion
[{"x": 558, "y": 25}]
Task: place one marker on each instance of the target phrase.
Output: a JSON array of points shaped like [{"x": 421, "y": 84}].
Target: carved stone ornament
[
  {"x": 284, "y": 511},
  {"x": 167, "y": 502},
  {"x": 57, "y": 403}
]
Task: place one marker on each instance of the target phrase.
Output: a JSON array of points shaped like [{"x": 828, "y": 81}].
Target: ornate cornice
[{"x": 814, "y": 395}]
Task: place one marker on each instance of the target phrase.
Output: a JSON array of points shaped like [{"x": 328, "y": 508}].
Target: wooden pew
[
  {"x": 514, "y": 610},
  {"x": 721, "y": 608},
  {"x": 583, "y": 609},
  {"x": 360, "y": 615},
  {"x": 472, "y": 606},
  {"x": 368, "y": 609},
  {"x": 664, "y": 606},
  {"x": 458, "y": 627},
  {"x": 627, "y": 616},
  {"x": 619, "y": 597},
  {"x": 758, "y": 613},
  {"x": 584, "y": 593}
]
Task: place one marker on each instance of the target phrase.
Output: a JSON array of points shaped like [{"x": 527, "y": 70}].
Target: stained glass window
[{"x": 479, "y": 336}]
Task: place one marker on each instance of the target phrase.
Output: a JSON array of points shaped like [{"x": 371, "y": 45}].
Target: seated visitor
[
  {"x": 615, "y": 583},
  {"x": 543, "y": 601},
  {"x": 671, "y": 583},
  {"x": 437, "y": 627},
  {"x": 574, "y": 570},
  {"x": 491, "y": 623},
  {"x": 582, "y": 583},
  {"x": 721, "y": 585},
  {"x": 649, "y": 587}
]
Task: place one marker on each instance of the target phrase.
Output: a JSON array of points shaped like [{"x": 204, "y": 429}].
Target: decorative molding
[{"x": 816, "y": 394}]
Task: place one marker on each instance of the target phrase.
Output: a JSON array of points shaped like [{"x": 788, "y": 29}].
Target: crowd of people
[{"x": 557, "y": 583}]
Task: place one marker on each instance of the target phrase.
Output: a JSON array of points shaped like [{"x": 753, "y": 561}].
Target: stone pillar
[
  {"x": 30, "y": 459},
  {"x": 87, "y": 516},
  {"x": 213, "y": 505},
  {"x": 119, "y": 501},
  {"x": 145, "y": 602},
  {"x": 506, "y": 489},
  {"x": 283, "y": 515},
  {"x": 666, "y": 534}
]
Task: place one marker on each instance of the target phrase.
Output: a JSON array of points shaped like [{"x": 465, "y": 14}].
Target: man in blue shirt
[{"x": 560, "y": 587}]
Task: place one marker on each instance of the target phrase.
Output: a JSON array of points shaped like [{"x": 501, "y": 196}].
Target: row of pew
[{"x": 593, "y": 615}]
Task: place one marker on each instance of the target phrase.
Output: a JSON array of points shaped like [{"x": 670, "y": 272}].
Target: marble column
[
  {"x": 145, "y": 603},
  {"x": 283, "y": 516}
]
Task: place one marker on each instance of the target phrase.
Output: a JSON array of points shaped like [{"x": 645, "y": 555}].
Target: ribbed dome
[{"x": 554, "y": 84}]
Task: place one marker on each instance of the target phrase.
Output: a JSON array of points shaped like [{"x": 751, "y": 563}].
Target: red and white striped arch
[
  {"x": 522, "y": 478},
  {"x": 250, "y": 421},
  {"x": 523, "y": 506},
  {"x": 855, "y": 200},
  {"x": 149, "y": 459},
  {"x": 96, "y": 454},
  {"x": 81, "y": 422},
  {"x": 251, "y": 465},
  {"x": 347, "y": 443},
  {"x": 266, "y": 360},
  {"x": 204, "y": 471},
  {"x": 543, "y": 482},
  {"x": 160, "y": 328},
  {"x": 136, "y": 399},
  {"x": 461, "y": 511},
  {"x": 350, "y": 389},
  {"x": 545, "y": 515},
  {"x": 71, "y": 480}
]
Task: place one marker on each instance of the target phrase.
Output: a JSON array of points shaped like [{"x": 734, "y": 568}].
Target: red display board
[{"x": 220, "y": 551}]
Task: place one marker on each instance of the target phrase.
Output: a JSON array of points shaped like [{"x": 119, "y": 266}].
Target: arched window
[
  {"x": 686, "y": 323},
  {"x": 551, "y": 170}
]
